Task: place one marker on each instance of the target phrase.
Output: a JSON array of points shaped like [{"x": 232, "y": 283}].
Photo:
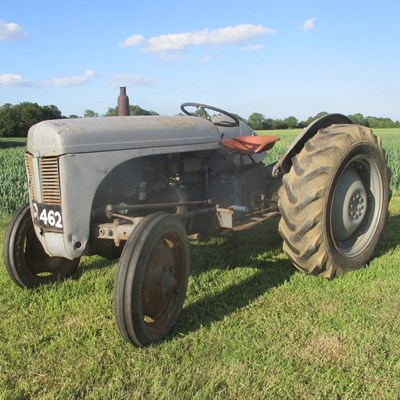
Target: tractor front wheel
[
  {"x": 26, "y": 261},
  {"x": 152, "y": 279},
  {"x": 334, "y": 201}
]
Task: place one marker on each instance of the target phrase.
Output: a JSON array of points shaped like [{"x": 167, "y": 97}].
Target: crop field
[
  {"x": 252, "y": 326},
  {"x": 13, "y": 187}
]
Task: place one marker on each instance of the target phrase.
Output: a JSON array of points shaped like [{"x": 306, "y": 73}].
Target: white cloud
[
  {"x": 132, "y": 41},
  {"x": 70, "y": 80},
  {"x": 13, "y": 81},
  {"x": 309, "y": 24},
  {"x": 11, "y": 31},
  {"x": 131, "y": 81},
  {"x": 219, "y": 37}
]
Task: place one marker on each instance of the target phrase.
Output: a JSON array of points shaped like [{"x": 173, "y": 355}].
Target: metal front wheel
[
  {"x": 334, "y": 201},
  {"x": 152, "y": 280}
]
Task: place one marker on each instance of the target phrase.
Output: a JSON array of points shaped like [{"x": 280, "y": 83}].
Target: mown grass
[{"x": 252, "y": 327}]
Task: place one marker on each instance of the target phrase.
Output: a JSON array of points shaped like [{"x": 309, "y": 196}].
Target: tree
[
  {"x": 311, "y": 119},
  {"x": 133, "y": 110},
  {"x": 291, "y": 122},
  {"x": 51, "y": 112},
  {"x": 256, "y": 121},
  {"x": 15, "y": 120},
  {"x": 358, "y": 119},
  {"x": 8, "y": 121},
  {"x": 90, "y": 114},
  {"x": 278, "y": 124},
  {"x": 379, "y": 122},
  {"x": 137, "y": 110},
  {"x": 111, "y": 112}
]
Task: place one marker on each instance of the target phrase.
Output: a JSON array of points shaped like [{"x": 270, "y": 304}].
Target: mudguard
[{"x": 285, "y": 163}]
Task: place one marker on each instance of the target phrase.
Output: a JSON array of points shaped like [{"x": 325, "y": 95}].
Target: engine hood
[{"x": 83, "y": 135}]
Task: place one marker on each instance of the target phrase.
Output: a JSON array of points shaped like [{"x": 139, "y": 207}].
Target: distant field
[
  {"x": 13, "y": 188},
  {"x": 12, "y": 142}
]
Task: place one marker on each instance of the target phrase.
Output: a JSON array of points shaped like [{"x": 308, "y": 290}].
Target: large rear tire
[
  {"x": 334, "y": 201},
  {"x": 26, "y": 261},
  {"x": 152, "y": 279}
]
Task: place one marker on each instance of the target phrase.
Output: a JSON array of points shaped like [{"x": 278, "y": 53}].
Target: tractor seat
[{"x": 249, "y": 144}]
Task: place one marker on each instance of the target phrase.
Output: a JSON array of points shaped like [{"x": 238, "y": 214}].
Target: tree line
[
  {"x": 15, "y": 120},
  {"x": 258, "y": 122}
]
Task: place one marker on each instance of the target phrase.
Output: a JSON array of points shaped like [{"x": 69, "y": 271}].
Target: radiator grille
[
  {"x": 31, "y": 180},
  {"x": 50, "y": 181}
]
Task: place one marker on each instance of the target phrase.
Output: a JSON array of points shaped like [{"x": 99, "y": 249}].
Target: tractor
[{"x": 138, "y": 187}]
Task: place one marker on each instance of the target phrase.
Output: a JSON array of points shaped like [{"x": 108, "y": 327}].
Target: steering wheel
[{"x": 203, "y": 107}]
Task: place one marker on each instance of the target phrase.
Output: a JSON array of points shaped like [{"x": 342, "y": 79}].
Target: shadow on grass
[
  {"x": 390, "y": 236},
  {"x": 92, "y": 264},
  {"x": 214, "y": 308},
  {"x": 242, "y": 250}
]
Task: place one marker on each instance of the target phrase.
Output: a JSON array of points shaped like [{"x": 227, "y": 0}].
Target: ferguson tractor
[{"x": 137, "y": 187}]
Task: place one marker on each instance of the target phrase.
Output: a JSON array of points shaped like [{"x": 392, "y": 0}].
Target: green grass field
[{"x": 252, "y": 327}]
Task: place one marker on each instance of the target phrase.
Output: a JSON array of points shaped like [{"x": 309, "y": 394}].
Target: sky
[{"x": 278, "y": 58}]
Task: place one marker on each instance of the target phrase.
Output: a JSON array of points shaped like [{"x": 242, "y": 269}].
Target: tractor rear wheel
[
  {"x": 152, "y": 279},
  {"x": 334, "y": 201}
]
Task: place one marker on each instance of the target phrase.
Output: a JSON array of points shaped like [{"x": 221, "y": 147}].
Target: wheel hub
[
  {"x": 168, "y": 284},
  {"x": 357, "y": 205},
  {"x": 349, "y": 205}
]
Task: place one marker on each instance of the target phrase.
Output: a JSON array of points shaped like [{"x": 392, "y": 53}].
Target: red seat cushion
[{"x": 249, "y": 144}]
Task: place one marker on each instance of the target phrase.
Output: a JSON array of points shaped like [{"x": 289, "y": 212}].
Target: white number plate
[{"x": 47, "y": 217}]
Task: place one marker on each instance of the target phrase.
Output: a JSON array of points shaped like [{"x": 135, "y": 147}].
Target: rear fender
[{"x": 285, "y": 163}]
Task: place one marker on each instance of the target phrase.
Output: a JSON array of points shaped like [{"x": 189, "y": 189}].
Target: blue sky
[{"x": 278, "y": 58}]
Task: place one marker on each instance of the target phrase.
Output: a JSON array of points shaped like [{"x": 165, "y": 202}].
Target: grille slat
[
  {"x": 50, "y": 181},
  {"x": 31, "y": 174}
]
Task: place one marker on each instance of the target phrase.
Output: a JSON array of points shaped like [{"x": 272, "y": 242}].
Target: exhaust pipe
[{"x": 123, "y": 102}]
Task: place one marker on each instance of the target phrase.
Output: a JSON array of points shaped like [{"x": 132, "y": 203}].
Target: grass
[{"x": 252, "y": 327}]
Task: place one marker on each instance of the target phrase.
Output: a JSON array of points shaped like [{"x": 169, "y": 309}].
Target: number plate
[{"x": 47, "y": 217}]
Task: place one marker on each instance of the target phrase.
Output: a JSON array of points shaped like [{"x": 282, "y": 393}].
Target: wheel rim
[
  {"x": 356, "y": 206},
  {"x": 163, "y": 283},
  {"x": 39, "y": 263}
]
